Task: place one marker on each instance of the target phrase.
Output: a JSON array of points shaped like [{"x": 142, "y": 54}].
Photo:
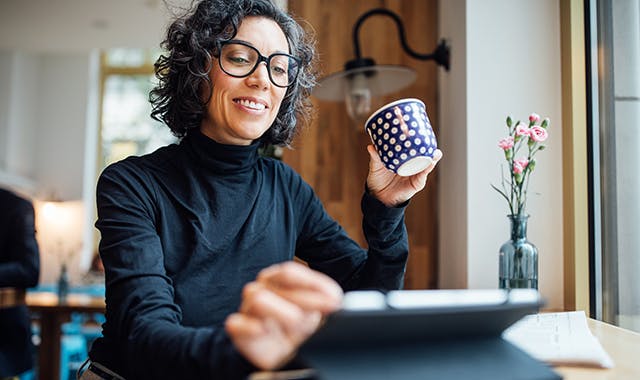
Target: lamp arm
[{"x": 440, "y": 54}]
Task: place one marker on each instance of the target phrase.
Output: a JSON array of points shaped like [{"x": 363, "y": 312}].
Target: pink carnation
[
  {"x": 522, "y": 130},
  {"x": 538, "y": 133},
  {"x": 534, "y": 118},
  {"x": 519, "y": 165},
  {"x": 506, "y": 143}
]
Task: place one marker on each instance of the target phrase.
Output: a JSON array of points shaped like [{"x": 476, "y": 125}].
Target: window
[
  {"x": 126, "y": 127},
  {"x": 614, "y": 111}
]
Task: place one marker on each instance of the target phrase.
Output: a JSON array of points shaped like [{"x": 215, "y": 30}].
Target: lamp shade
[
  {"x": 59, "y": 232},
  {"x": 357, "y": 86},
  {"x": 380, "y": 79}
]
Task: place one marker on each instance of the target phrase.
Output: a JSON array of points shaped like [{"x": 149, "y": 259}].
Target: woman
[{"x": 198, "y": 238}]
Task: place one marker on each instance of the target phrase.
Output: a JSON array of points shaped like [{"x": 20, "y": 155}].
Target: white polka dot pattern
[{"x": 401, "y": 132}]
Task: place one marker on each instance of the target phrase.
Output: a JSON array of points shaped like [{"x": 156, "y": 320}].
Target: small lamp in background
[
  {"x": 363, "y": 80},
  {"x": 59, "y": 229}
]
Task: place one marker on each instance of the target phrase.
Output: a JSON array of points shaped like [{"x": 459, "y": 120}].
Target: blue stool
[
  {"x": 92, "y": 328},
  {"x": 73, "y": 347},
  {"x": 73, "y": 351},
  {"x": 29, "y": 375}
]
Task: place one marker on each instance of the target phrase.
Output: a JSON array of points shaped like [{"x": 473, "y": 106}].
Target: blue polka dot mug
[{"x": 402, "y": 135}]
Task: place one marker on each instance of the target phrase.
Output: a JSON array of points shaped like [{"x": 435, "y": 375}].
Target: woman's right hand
[{"x": 279, "y": 311}]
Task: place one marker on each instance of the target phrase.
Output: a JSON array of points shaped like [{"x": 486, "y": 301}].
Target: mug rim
[{"x": 391, "y": 104}]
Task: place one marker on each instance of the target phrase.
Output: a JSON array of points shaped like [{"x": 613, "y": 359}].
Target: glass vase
[
  {"x": 63, "y": 285},
  {"x": 518, "y": 257}
]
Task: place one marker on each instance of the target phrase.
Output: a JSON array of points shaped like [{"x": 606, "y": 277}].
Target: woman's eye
[
  {"x": 279, "y": 65},
  {"x": 279, "y": 70},
  {"x": 239, "y": 60}
]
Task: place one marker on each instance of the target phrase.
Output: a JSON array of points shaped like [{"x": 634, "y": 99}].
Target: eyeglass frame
[{"x": 261, "y": 58}]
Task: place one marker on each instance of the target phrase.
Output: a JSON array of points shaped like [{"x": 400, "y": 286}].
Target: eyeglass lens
[{"x": 240, "y": 60}]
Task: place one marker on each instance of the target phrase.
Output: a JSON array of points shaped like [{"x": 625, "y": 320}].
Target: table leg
[{"x": 49, "y": 351}]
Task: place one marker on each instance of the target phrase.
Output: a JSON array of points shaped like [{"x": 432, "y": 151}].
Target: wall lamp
[{"x": 362, "y": 79}]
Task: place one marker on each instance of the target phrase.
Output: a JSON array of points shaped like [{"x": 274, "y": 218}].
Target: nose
[{"x": 260, "y": 77}]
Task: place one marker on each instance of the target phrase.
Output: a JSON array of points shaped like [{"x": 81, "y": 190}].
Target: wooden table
[
  {"x": 52, "y": 315},
  {"x": 622, "y": 345}
]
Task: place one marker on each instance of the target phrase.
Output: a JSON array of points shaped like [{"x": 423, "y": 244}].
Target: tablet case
[{"x": 447, "y": 341}]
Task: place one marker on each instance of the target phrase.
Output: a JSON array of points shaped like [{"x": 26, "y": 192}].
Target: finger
[
  {"x": 309, "y": 300},
  {"x": 419, "y": 180},
  {"x": 262, "y": 342},
  {"x": 437, "y": 156},
  {"x": 309, "y": 289},
  {"x": 279, "y": 316},
  {"x": 244, "y": 326},
  {"x": 374, "y": 159},
  {"x": 279, "y": 313},
  {"x": 258, "y": 301},
  {"x": 295, "y": 276}
]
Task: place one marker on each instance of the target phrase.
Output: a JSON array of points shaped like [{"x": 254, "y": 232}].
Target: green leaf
[
  {"x": 501, "y": 193},
  {"x": 508, "y": 154},
  {"x": 532, "y": 165},
  {"x": 519, "y": 178}
]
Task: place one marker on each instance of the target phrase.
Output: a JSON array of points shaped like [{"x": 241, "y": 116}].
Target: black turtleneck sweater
[{"x": 183, "y": 229}]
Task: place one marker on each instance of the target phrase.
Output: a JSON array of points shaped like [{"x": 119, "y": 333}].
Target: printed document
[{"x": 558, "y": 339}]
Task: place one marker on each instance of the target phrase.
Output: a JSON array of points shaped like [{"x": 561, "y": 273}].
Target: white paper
[{"x": 559, "y": 339}]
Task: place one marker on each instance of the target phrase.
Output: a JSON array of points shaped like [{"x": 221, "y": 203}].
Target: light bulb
[{"x": 358, "y": 98}]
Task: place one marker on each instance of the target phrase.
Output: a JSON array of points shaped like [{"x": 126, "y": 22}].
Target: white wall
[
  {"x": 510, "y": 53},
  {"x": 18, "y": 77},
  {"x": 44, "y": 121},
  {"x": 452, "y": 140},
  {"x": 22, "y": 115},
  {"x": 44, "y": 130},
  {"x": 61, "y": 124},
  {"x": 80, "y": 25}
]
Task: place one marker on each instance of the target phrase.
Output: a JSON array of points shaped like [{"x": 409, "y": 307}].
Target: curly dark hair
[{"x": 193, "y": 40}]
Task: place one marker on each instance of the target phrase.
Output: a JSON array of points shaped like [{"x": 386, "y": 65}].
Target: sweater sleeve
[
  {"x": 20, "y": 266},
  {"x": 325, "y": 246},
  {"x": 142, "y": 317}
]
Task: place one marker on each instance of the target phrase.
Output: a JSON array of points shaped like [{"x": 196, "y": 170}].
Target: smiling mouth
[{"x": 250, "y": 104}]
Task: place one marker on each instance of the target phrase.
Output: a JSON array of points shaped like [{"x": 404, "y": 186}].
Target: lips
[{"x": 251, "y": 103}]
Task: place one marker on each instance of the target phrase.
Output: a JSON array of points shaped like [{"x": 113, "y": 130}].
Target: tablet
[{"x": 405, "y": 316}]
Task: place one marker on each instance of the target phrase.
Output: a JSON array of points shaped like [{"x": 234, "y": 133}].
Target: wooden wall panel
[{"x": 331, "y": 153}]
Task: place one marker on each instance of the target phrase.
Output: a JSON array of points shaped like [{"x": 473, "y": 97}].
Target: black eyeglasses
[{"x": 239, "y": 59}]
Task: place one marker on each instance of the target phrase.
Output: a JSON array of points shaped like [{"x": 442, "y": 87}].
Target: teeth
[{"x": 251, "y": 104}]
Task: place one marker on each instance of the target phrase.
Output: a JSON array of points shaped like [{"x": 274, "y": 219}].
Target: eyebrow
[{"x": 243, "y": 42}]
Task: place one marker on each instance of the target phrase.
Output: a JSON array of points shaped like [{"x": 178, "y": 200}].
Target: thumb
[{"x": 374, "y": 160}]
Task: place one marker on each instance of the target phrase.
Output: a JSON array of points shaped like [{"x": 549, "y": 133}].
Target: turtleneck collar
[{"x": 221, "y": 158}]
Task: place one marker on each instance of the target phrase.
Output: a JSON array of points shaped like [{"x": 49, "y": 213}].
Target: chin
[{"x": 255, "y": 133}]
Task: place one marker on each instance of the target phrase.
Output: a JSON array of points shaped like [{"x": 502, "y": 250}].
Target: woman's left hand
[{"x": 390, "y": 188}]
